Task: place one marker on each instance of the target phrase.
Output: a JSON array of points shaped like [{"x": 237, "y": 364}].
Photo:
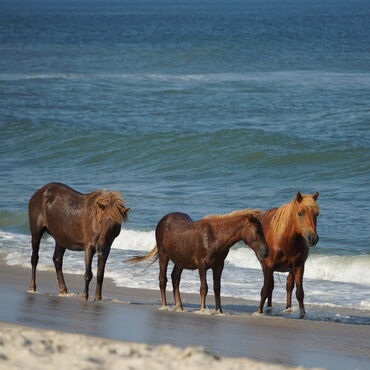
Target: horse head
[
  {"x": 110, "y": 212},
  {"x": 305, "y": 212},
  {"x": 252, "y": 235}
]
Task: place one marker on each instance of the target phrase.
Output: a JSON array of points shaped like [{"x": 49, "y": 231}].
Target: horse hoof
[
  {"x": 269, "y": 309},
  {"x": 97, "y": 298}
]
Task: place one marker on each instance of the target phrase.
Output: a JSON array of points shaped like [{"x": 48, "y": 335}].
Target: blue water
[{"x": 201, "y": 107}]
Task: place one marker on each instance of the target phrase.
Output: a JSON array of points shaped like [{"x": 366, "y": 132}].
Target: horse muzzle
[
  {"x": 312, "y": 239},
  {"x": 263, "y": 252}
]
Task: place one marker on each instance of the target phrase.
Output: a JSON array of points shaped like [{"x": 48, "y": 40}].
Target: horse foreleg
[
  {"x": 102, "y": 259},
  {"x": 89, "y": 254},
  {"x": 58, "y": 263},
  {"x": 203, "y": 285},
  {"x": 163, "y": 263},
  {"x": 175, "y": 276},
  {"x": 269, "y": 298},
  {"x": 217, "y": 271},
  {"x": 266, "y": 289},
  {"x": 36, "y": 238},
  {"x": 289, "y": 289},
  {"x": 298, "y": 277}
]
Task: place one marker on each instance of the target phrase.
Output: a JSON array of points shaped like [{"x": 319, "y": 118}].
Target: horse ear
[
  {"x": 126, "y": 210},
  {"x": 252, "y": 219},
  {"x": 316, "y": 195},
  {"x": 299, "y": 197}
]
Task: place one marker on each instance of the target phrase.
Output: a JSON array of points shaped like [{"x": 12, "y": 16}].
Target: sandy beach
[{"x": 127, "y": 329}]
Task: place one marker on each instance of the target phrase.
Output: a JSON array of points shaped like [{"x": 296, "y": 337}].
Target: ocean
[{"x": 202, "y": 107}]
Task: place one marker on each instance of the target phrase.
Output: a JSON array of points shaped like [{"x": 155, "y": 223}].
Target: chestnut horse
[
  {"x": 79, "y": 222},
  {"x": 290, "y": 231},
  {"x": 202, "y": 245}
]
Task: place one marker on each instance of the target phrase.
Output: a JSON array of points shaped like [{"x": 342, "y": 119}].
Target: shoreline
[{"x": 133, "y": 315}]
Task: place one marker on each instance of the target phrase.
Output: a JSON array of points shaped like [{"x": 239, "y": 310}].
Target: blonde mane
[
  {"x": 243, "y": 212},
  {"x": 283, "y": 216},
  {"x": 109, "y": 204}
]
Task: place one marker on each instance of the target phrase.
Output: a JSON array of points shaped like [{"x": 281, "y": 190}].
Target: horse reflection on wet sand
[
  {"x": 202, "y": 245},
  {"x": 79, "y": 222},
  {"x": 290, "y": 231}
]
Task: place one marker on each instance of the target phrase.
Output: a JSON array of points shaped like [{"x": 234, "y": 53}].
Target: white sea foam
[
  {"x": 329, "y": 280},
  {"x": 135, "y": 240},
  {"x": 353, "y": 269},
  {"x": 346, "y": 269}
]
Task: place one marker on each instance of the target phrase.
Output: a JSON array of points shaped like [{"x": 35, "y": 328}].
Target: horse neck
[
  {"x": 227, "y": 231},
  {"x": 287, "y": 237}
]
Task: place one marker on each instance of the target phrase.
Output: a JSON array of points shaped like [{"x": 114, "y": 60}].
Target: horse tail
[{"x": 153, "y": 253}]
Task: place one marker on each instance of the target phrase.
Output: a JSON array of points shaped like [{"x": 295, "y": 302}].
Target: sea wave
[
  {"x": 346, "y": 269},
  {"x": 333, "y": 268},
  {"x": 300, "y": 77}
]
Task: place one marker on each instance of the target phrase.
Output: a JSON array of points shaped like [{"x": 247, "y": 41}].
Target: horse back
[
  {"x": 61, "y": 211},
  {"x": 180, "y": 238}
]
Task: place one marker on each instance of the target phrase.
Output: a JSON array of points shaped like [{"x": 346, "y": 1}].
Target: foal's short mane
[
  {"x": 283, "y": 216},
  {"x": 243, "y": 212},
  {"x": 109, "y": 204}
]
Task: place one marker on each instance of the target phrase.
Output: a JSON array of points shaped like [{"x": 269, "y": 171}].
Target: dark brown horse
[
  {"x": 290, "y": 231},
  {"x": 79, "y": 222},
  {"x": 202, "y": 245}
]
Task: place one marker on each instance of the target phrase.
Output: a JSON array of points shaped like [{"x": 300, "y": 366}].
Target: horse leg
[
  {"x": 266, "y": 289},
  {"x": 217, "y": 271},
  {"x": 269, "y": 298},
  {"x": 36, "y": 238},
  {"x": 102, "y": 259},
  {"x": 163, "y": 263},
  {"x": 298, "y": 277},
  {"x": 289, "y": 289},
  {"x": 203, "y": 285},
  {"x": 89, "y": 254},
  {"x": 175, "y": 276},
  {"x": 58, "y": 263}
]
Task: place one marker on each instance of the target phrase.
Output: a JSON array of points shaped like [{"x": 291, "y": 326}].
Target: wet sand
[{"x": 133, "y": 315}]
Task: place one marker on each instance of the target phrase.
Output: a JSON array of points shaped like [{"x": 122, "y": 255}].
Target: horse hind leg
[
  {"x": 175, "y": 276},
  {"x": 58, "y": 263},
  {"x": 163, "y": 263},
  {"x": 36, "y": 233}
]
